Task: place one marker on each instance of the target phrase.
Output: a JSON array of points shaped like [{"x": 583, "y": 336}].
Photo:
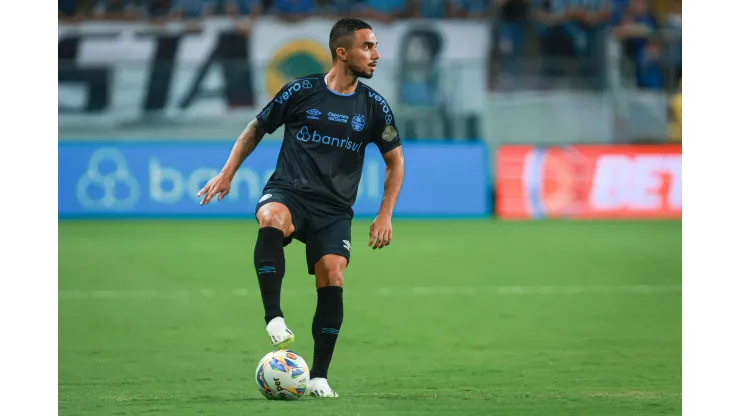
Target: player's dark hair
[{"x": 342, "y": 33}]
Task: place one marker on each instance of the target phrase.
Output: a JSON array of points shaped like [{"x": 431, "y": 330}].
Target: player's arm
[
  {"x": 381, "y": 231},
  {"x": 243, "y": 147},
  {"x": 394, "y": 171},
  {"x": 272, "y": 116}
]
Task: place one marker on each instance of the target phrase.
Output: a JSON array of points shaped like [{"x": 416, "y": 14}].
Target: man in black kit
[{"x": 329, "y": 121}]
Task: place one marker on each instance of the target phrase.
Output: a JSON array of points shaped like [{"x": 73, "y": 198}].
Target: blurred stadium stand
[
  {"x": 601, "y": 71},
  {"x": 521, "y": 72}
]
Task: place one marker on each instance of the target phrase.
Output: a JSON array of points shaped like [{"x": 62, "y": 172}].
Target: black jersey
[{"x": 326, "y": 134}]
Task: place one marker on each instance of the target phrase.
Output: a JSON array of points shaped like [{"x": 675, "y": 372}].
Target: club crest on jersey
[{"x": 358, "y": 122}]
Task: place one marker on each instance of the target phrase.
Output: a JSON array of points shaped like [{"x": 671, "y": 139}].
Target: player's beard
[{"x": 360, "y": 73}]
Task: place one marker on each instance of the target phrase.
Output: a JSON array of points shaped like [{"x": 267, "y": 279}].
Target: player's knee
[
  {"x": 332, "y": 270},
  {"x": 335, "y": 277},
  {"x": 275, "y": 216}
]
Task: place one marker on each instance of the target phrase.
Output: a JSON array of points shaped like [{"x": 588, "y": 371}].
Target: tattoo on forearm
[{"x": 250, "y": 139}]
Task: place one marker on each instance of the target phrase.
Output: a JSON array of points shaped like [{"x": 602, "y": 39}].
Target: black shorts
[{"x": 322, "y": 228}]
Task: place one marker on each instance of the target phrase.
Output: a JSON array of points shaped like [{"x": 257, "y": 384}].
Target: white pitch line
[{"x": 183, "y": 294}]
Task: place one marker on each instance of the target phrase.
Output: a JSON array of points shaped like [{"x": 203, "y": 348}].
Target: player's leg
[
  {"x": 330, "y": 249},
  {"x": 276, "y": 224},
  {"x": 327, "y": 320}
]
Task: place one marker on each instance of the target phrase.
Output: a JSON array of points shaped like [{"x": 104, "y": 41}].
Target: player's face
[{"x": 363, "y": 56}]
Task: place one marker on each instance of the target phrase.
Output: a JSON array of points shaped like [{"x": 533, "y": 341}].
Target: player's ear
[{"x": 342, "y": 54}]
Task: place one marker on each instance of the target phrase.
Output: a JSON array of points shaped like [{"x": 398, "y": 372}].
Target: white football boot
[
  {"x": 280, "y": 335},
  {"x": 319, "y": 387}
]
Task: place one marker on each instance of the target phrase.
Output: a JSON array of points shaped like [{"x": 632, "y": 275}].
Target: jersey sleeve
[
  {"x": 279, "y": 110},
  {"x": 385, "y": 130}
]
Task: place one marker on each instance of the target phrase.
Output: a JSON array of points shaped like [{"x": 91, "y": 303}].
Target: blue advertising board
[{"x": 162, "y": 179}]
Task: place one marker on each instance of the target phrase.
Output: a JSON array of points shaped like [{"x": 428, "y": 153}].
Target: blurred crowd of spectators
[
  {"x": 651, "y": 41},
  {"x": 572, "y": 34},
  {"x": 571, "y": 31},
  {"x": 384, "y": 10}
]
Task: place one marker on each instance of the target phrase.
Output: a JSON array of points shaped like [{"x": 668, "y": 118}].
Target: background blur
[
  {"x": 602, "y": 71},
  {"x": 508, "y": 110},
  {"x": 554, "y": 73}
]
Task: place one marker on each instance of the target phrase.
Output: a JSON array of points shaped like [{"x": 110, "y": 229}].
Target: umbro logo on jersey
[
  {"x": 313, "y": 114},
  {"x": 346, "y": 245}
]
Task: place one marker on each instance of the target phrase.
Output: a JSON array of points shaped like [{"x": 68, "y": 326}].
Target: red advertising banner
[{"x": 590, "y": 181}]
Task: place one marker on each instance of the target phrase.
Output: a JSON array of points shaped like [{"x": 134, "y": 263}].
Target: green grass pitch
[{"x": 455, "y": 317}]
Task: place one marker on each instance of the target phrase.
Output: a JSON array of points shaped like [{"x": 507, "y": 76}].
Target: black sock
[
  {"x": 326, "y": 324},
  {"x": 269, "y": 261}
]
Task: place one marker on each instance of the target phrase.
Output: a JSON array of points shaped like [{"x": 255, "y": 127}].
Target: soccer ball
[{"x": 282, "y": 375}]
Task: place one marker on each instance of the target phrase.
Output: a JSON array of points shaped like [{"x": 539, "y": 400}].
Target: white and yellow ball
[{"x": 282, "y": 375}]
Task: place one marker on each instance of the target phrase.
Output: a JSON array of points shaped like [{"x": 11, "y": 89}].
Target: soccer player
[{"x": 329, "y": 119}]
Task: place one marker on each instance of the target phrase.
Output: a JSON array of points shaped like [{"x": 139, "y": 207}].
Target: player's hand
[
  {"x": 381, "y": 232},
  {"x": 220, "y": 184}
]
